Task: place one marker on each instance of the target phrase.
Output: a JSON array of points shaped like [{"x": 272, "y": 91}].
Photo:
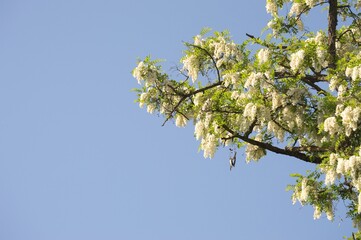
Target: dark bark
[
  {"x": 332, "y": 25},
  {"x": 286, "y": 151}
]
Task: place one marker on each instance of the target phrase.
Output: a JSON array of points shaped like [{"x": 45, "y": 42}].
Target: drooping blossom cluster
[{"x": 297, "y": 60}]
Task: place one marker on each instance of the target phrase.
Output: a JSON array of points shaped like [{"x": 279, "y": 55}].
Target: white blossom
[
  {"x": 341, "y": 90},
  {"x": 230, "y": 78},
  {"x": 225, "y": 52},
  {"x": 207, "y": 120},
  {"x": 296, "y": 9},
  {"x": 317, "y": 213},
  {"x": 348, "y": 72},
  {"x": 145, "y": 72},
  {"x": 271, "y": 23},
  {"x": 138, "y": 72},
  {"x": 253, "y": 79},
  {"x": 277, "y": 130},
  {"x": 199, "y": 129},
  {"x": 333, "y": 84},
  {"x": 331, "y": 126},
  {"x": 295, "y": 195},
  {"x": 142, "y": 99},
  {"x": 263, "y": 55},
  {"x": 206, "y": 105},
  {"x": 254, "y": 152},
  {"x": 350, "y": 118},
  {"x": 250, "y": 111},
  {"x": 330, "y": 177},
  {"x": 333, "y": 159},
  {"x": 354, "y": 74},
  {"x": 151, "y": 108},
  {"x": 311, "y": 3},
  {"x": 339, "y": 109},
  {"x": 180, "y": 121},
  {"x": 297, "y": 60},
  {"x": 340, "y": 166},
  {"x": 209, "y": 145},
  {"x": 198, "y": 41},
  {"x": 330, "y": 214},
  {"x": 305, "y": 190},
  {"x": 271, "y": 7},
  {"x": 191, "y": 64},
  {"x": 277, "y": 100},
  {"x": 197, "y": 98}
]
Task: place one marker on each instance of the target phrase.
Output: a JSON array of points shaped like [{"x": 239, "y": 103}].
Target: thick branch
[
  {"x": 275, "y": 149},
  {"x": 332, "y": 24}
]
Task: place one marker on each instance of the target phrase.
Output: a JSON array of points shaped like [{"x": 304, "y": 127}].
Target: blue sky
[{"x": 80, "y": 160}]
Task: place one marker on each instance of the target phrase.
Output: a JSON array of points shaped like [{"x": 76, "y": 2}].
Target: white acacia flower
[
  {"x": 333, "y": 159},
  {"x": 191, "y": 64},
  {"x": 359, "y": 204},
  {"x": 305, "y": 190},
  {"x": 271, "y": 24},
  {"x": 331, "y": 126},
  {"x": 297, "y": 60},
  {"x": 279, "y": 133},
  {"x": 225, "y": 52},
  {"x": 277, "y": 100},
  {"x": 348, "y": 71},
  {"x": 333, "y": 84},
  {"x": 271, "y": 7},
  {"x": 330, "y": 177},
  {"x": 340, "y": 169},
  {"x": 151, "y": 108},
  {"x": 329, "y": 213},
  {"x": 263, "y": 55},
  {"x": 138, "y": 72},
  {"x": 296, "y": 9},
  {"x": 180, "y": 121},
  {"x": 317, "y": 213},
  {"x": 230, "y": 78},
  {"x": 206, "y": 105},
  {"x": 350, "y": 118},
  {"x": 197, "y": 98},
  {"x": 143, "y": 97},
  {"x": 254, "y": 152},
  {"x": 354, "y": 74},
  {"x": 311, "y": 3},
  {"x": 322, "y": 56},
  {"x": 339, "y": 109},
  {"x": 250, "y": 111},
  {"x": 253, "y": 79},
  {"x": 199, "y": 129},
  {"x": 198, "y": 41},
  {"x": 209, "y": 145}
]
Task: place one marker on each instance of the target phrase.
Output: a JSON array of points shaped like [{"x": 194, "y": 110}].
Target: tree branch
[
  {"x": 209, "y": 55},
  {"x": 184, "y": 97},
  {"x": 332, "y": 24},
  {"x": 270, "y": 147}
]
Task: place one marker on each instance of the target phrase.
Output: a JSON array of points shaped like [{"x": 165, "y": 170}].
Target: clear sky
[{"x": 80, "y": 160}]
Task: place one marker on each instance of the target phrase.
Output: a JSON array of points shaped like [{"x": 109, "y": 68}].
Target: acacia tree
[{"x": 295, "y": 93}]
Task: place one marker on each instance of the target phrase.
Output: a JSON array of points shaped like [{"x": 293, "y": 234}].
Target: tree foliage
[{"x": 292, "y": 92}]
